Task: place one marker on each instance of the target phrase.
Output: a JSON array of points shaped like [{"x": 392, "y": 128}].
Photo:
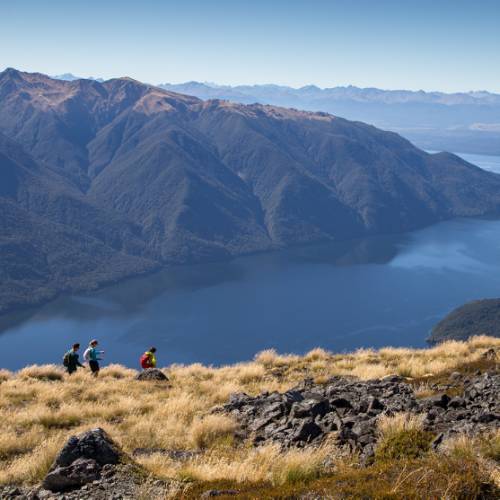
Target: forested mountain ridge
[
  {"x": 463, "y": 121},
  {"x": 99, "y": 181}
]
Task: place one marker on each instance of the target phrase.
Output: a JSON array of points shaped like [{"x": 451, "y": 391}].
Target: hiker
[
  {"x": 91, "y": 355},
  {"x": 148, "y": 359},
  {"x": 71, "y": 361}
]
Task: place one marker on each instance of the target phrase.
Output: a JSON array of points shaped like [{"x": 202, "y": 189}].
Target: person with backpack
[
  {"x": 71, "y": 361},
  {"x": 91, "y": 355},
  {"x": 148, "y": 359}
]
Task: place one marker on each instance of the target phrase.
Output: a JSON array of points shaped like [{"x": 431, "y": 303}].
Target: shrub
[
  {"x": 461, "y": 447},
  {"x": 402, "y": 436},
  {"x": 489, "y": 446}
]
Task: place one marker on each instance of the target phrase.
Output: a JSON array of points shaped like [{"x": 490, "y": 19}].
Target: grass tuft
[
  {"x": 42, "y": 372},
  {"x": 402, "y": 437},
  {"x": 5, "y": 375},
  {"x": 211, "y": 430}
]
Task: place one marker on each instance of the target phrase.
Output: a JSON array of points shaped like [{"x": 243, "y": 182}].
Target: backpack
[
  {"x": 66, "y": 359},
  {"x": 145, "y": 361}
]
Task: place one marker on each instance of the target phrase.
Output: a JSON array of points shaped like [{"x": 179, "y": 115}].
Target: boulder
[
  {"x": 75, "y": 475},
  {"x": 306, "y": 432},
  {"x": 81, "y": 459},
  {"x": 152, "y": 374},
  {"x": 94, "y": 444}
]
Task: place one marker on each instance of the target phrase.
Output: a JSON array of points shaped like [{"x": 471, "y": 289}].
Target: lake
[
  {"x": 487, "y": 162},
  {"x": 484, "y": 161},
  {"x": 387, "y": 290}
]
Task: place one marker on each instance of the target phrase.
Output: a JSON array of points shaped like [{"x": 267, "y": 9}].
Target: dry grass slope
[{"x": 40, "y": 406}]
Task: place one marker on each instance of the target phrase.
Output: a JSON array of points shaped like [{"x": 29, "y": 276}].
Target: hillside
[
  {"x": 480, "y": 317},
  {"x": 392, "y": 423},
  {"x": 463, "y": 121},
  {"x": 100, "y": 181}
]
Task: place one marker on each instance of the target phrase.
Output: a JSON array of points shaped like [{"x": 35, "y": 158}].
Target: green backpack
[{"x": 66, "y": 359}]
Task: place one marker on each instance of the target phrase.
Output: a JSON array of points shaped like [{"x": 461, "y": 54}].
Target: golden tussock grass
[
  {"x": 211, "y": 429},
  {"x": 42, "y": 372},
  {"x": 267, "y": 464},
  {"x": 41, "y": 406},
  {"x": 33, "y": 466},
  {"x": 5, "y": 375}
]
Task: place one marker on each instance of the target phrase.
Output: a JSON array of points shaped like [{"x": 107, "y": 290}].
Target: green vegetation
[{"x": 480, "y": 317}]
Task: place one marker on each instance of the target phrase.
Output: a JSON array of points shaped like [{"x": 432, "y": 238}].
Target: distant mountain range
[
  {"x": 468, "y": 122},
  {"x": 100, "y": 181},
  {"x": 70, "y": 77}
]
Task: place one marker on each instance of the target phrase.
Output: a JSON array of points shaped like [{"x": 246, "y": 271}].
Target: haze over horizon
[
  {"x": 70, "y": 76},
  {"x": 387, "y": 44}
]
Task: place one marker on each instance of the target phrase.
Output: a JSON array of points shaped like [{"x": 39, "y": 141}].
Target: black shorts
[{"x": 94, "y": 366}]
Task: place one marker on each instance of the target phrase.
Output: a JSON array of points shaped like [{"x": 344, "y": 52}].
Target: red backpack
[{"x": 145, "y": 361}]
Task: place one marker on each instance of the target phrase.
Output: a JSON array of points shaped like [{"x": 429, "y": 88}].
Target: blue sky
[{"x": 449, "y": 45}]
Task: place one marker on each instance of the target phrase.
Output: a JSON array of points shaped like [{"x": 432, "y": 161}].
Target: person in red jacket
[{"x": 148, "y": 359}]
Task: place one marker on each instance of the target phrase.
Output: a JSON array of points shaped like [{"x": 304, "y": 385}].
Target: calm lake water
[
  {"x": 487, "y": 162},
  {"x": 379, "y": 291}
]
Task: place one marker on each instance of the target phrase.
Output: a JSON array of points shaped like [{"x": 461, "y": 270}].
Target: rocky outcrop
[
  {"x": 90, "y": 466},
  {"x": 476, "y": 410},
  {"x": 152, "y": 374},
  {"x": 81, "y": 460},
  {"x": 350, "y": 408}
]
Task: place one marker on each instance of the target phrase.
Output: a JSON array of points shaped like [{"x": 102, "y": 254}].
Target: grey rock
[
  {"x": 78, "y": 473},
  {"x": 152, "y": 374},
  {"x": 219, "y": 493},
  {"x": 351, "y": 408},
  {"x": 440, "y": 400},
  {"x": 341, "y": 403},
  {"x": 94, "y": 444},
  {"x": 456, "y": 402},
  {"x": 306, "y": 432}
]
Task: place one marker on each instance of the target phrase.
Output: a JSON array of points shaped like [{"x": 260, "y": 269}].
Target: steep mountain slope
[
  {"x": 466, "y": 121},
  {"x": 52, "y": 239},
  {"x": 119, "y": 177}
]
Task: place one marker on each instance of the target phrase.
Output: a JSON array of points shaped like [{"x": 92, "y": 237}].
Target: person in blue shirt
[{"x": 91, "y": 355}]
